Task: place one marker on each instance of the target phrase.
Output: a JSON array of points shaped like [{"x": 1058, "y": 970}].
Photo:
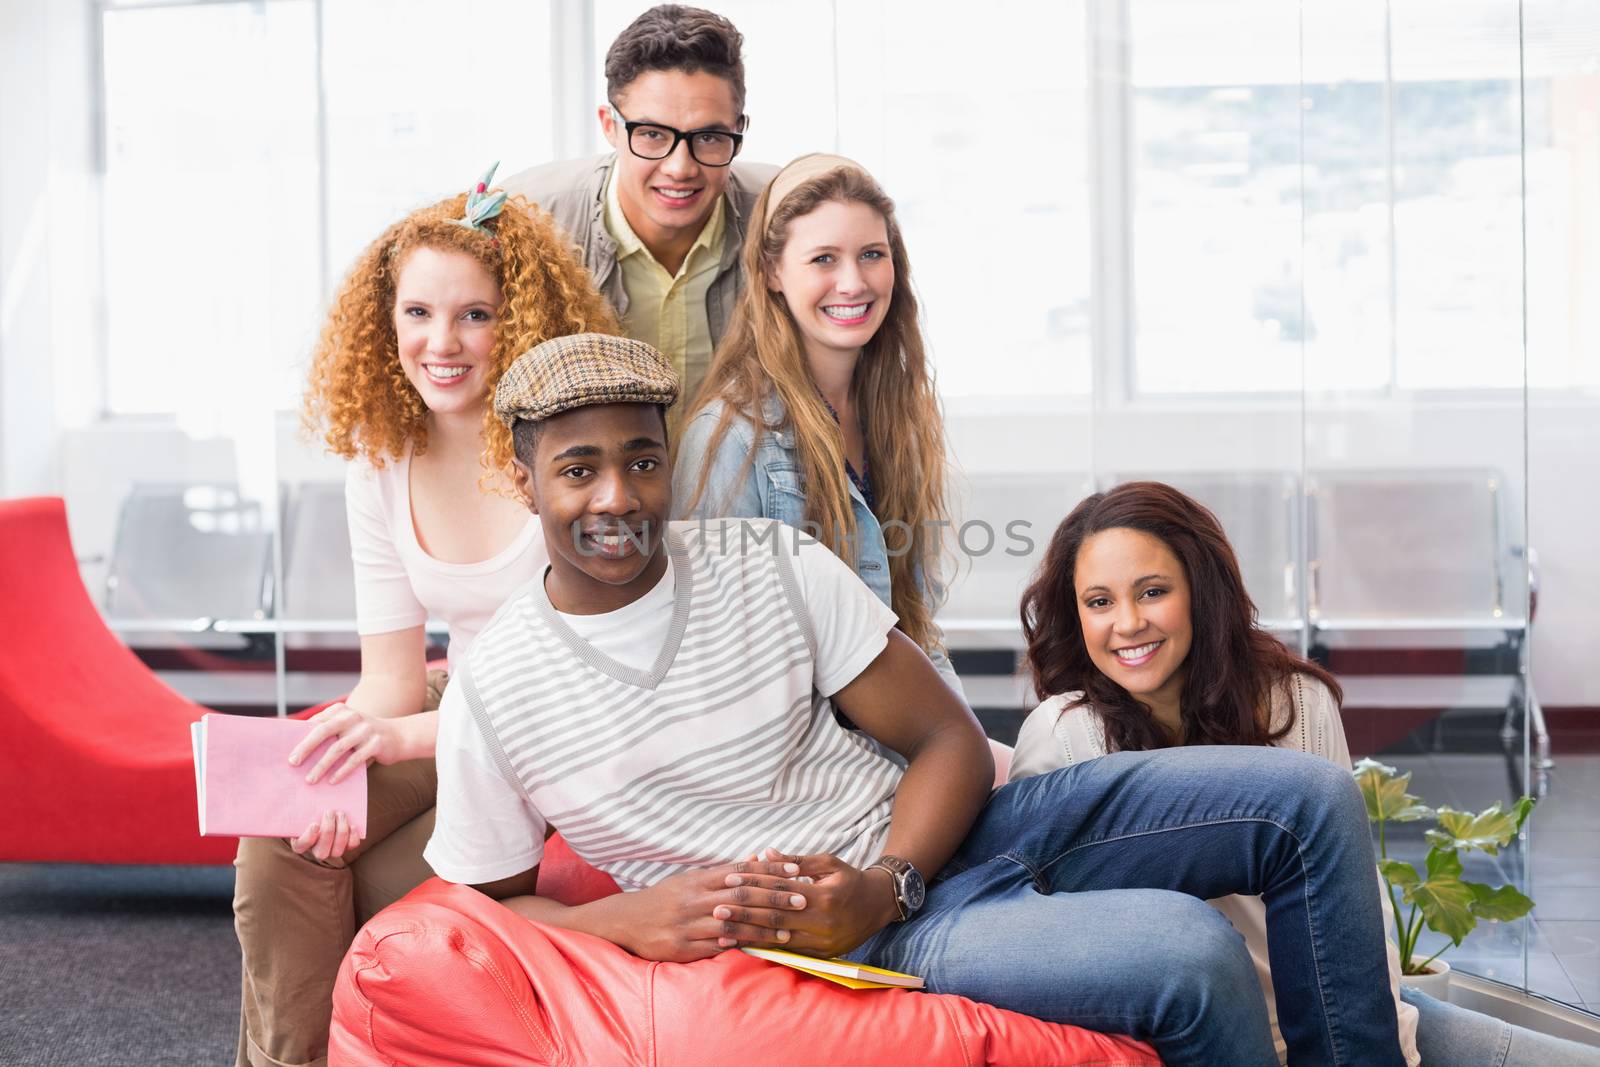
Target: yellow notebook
[{"x": 845, "y": 973}]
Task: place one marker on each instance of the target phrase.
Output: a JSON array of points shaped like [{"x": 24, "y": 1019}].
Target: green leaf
[
  {"x": 1400, "y": 875},
  {"x": 1489, "y": 831},
  {"x": 1384, "y": 791},
  {"x": 1443, "y": 865},
  {"x": 1444, "y": 900},
  {"x": 1498, "y": 905},
  {"x": 1521, "y": 809},
  {"x": 1369, "y": 764},
  {"x": 1441, "y": 840},
  {"x": 1446, "y": 904}
]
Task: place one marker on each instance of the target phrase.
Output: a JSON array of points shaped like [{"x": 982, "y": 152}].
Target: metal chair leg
[{"x": 1541, "y": 734}]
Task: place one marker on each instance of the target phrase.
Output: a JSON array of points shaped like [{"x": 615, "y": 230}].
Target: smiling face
[
  {"x": 836, "y": 275},
  {"x": 599, "y": 481},
  {"x": 667, "y": 201},
  {"x": 446, "y": 312},
  {"x": 1133, "y": 607}
]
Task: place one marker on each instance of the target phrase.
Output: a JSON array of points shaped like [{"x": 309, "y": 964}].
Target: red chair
[
  {"x": 94, "y": 749},
  {"x": 447, "y": 976}
]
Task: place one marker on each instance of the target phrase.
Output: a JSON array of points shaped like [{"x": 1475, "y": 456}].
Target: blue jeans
[
  {"x": 1079, "y": 896},
  {"x": 1448, "y": 1034}
]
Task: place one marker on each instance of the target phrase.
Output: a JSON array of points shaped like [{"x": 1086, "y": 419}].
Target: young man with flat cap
[
  {"x": 660, "y": 219},
  {"x": 665, "y": 694}
]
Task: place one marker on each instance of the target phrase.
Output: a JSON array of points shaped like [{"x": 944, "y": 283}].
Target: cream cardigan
[{"x": 1056, "y": 735}]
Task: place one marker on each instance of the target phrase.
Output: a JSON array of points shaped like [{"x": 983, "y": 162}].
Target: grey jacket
[{"x": 573, "y": 190}]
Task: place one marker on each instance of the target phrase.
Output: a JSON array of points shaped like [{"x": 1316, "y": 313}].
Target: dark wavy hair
[
  {"x": 675, "y": 37},
  {"x": 1233, "y": 664}
]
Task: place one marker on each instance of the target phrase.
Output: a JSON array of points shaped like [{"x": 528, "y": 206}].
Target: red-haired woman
[
  {"x": 428, "y": 319},
  {"x": 1141, "y": 636}
]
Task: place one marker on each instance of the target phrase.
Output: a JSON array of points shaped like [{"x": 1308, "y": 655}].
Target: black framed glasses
[{"x": 710, "y": 147}]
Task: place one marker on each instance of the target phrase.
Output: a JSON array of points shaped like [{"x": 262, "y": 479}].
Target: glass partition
[
  {"x": 1561, "y": 232},
  {"x": 1414, "y": 467}
]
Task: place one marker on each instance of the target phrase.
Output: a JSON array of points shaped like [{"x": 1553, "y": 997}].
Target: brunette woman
[{"x": 1141, "y": 636}]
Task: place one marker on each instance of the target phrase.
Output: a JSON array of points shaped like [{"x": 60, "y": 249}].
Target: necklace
[{"x": 863, "y": 480}]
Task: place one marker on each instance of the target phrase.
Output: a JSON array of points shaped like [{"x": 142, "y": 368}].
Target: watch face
[{"x": 915, "y": 891}]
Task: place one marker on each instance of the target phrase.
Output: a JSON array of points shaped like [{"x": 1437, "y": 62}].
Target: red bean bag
[
  {"x": 447, "y": 976},
  {"x": 94, "y": 749}
]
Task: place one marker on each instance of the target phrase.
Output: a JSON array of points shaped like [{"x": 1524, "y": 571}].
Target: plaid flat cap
[{"x": 586, "y": 368}]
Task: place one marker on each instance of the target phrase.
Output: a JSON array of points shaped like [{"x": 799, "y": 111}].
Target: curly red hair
[{"x": 358, "y": 395}]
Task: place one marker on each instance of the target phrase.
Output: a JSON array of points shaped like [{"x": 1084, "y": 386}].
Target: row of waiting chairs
[
  {"x": 1383, "y": 549},
  {"x": 193, "y": 565},
  {"x": 1394, "y": 559}
]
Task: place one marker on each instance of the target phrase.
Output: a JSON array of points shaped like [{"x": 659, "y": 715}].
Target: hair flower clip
[{"x": 481, "y": 204}]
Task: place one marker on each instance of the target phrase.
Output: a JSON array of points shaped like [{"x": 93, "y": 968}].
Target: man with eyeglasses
[{"x": 660, "y": 220}]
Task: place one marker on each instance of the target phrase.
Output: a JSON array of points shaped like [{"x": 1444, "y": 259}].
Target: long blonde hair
[
  {"x": 893, "y": 387},
  {"x": 357, "y": 394}
]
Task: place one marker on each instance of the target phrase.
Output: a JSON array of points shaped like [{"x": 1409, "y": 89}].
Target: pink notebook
[{"x": 246, "y": 788}]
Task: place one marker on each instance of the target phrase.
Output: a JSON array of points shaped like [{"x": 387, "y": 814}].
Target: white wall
[
  {"x": 24, "y": 285},
  {"x": 1564, "y": 528},
  {"x": 48, "y": 227}
]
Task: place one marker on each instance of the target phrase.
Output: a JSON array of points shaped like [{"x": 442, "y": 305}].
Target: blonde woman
[
  {"x": 430, "y": 316},
  {"x": 819, "y": 408}
]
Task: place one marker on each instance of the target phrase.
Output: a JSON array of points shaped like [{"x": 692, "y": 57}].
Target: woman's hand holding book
[{"x": 358, "y": 740}]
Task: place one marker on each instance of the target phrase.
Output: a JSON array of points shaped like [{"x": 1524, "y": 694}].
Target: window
[
  {"x": 1338, "y": 194},
  {"x": 227, "y": 217},
  {"x": 210, "y": 203},
  {"x": 414, "y": 116}
]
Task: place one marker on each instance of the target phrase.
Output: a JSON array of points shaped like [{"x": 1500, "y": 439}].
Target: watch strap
[{"x": 898, "y": 869}]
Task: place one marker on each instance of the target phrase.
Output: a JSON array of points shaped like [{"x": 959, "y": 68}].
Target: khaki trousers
[{"x": 296, "y": 916}]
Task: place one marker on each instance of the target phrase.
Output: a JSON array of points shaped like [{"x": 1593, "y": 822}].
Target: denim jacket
[{"x": 771, "y": 489}]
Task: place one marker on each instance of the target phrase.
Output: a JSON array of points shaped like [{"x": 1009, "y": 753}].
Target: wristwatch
[{"x": 909, "y": 889}]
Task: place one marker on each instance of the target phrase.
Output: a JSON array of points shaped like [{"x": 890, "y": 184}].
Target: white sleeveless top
[{"x": 398, "y": 585}]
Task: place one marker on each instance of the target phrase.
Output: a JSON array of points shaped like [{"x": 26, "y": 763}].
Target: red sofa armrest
[{"x": 448, "y": 976}]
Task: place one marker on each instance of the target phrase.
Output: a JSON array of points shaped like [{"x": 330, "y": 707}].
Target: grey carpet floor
[{"x": 117, "y": 966}]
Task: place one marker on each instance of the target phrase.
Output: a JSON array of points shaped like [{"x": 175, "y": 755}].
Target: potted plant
[{"x": 1441, "y": 899}]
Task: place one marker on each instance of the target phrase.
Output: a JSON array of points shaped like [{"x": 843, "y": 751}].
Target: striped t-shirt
[{"x": 726, "y": 744}]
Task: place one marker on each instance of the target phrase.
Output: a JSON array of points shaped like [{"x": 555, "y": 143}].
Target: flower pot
[{"x": 1436, "y": 983}]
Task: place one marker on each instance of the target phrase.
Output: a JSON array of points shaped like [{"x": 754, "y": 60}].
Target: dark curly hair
[
  {"x": 676, "y": 37},
  {"x": 1233, "y": 664}
]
